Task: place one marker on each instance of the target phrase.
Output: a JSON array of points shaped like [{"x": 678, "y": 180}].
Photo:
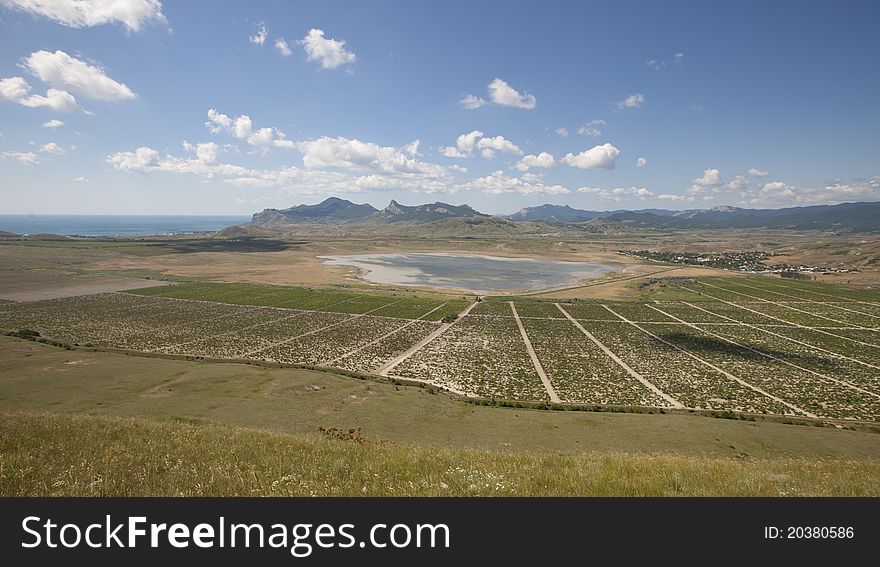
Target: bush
[
  {"x": 26, "y": 334},
  {"x": 449, "y": 318}
]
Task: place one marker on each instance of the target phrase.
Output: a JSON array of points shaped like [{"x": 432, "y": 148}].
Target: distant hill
[
  {"x": 332, "y": 209},
  {"x": 396, "y": 212},
  {"x": 846, "y": 217},
  {"x": 340, "y": 217},
  {"x": 554, "y": 214}
]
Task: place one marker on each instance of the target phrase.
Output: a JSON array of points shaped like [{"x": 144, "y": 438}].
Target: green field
[
  {"x": 751, "y": 346},
  {"x": 55, "y": 455},
  {"x": 76, "y": 422}
]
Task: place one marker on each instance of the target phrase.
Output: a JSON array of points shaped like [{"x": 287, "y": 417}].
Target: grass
[
  {"x": 40, "y": 378},
  {"x": 59, "y": 455}
]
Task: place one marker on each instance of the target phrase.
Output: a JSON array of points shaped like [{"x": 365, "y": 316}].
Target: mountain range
[{"x": 846, "y": 217}]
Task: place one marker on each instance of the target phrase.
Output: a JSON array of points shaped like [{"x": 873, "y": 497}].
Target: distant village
[{"x": 752, "y": 262}]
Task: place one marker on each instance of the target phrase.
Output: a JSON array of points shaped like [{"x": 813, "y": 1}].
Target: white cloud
[
  {"x": 711, "y": 178},
  {"x": 80, "y": 179},
  {"x": 27, "y": 158},
  {"x": 543, "y": 159},
  {"x": 412, "y": 148},
  {"x": 632, "y": 101},
  {"x": 331, "y": 53},
  {"x": 464, "y": 145},
  {"x": 597, "y": 157},
  {"x": 641, "y": 162},
  {"x": 678, "y": 57},
  {"x": 755, "y": 172},
  {"x": 470, "y": 102},
  {"x": 354, "y": 154},
  {"x": 17, "y": 90},
  {"x": 52, "y": 148},
  {"x": 473, "y": 140},
  {"x": 499, "y": 183},
  {"x": 242, "y": 128},
  {"x": 63, "y": 71},
  {"x": 592, "y": 128},
  {"x": 259, "y": 38},
  {"x": 365, "y": 167},
  {"x": 738, "y": 183},
  {"x": 562, "y": 132},
  {"x": 656, "y": 65},
  {"x": 53, "y": 124},
  {"x": 672, "y": 197},
  {"x": 148, "y": 160},
  {"x": 505, "y": 95},
  {"x": 500, "y": 144},
  {"x": 283, "y": 48},
  {"x": 88, "y": 13},
  {"x": 618, "y": 193}
]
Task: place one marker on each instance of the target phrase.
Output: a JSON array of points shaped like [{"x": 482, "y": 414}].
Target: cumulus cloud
[
  {"x": 632, "y": 101},
  {"x": 64, "y": 71},
  {"x": 505, "y": 95},
  {"x": 678, "y": 57},
  {"x": 500, "y": 144},
  {"x": 464, "y": 145},
  {"x": 52, "y": 148},
  {"x": 562, "y": 132},
  {"x": 755, "y": 172},
  {"x": 502, "y": 94},
  {"x": 674, "y": 197},
  {"x": 473, "y": 140},
  {"x": 738, "y": 183},
  {"x": 597, "y": 157},
  {"x": 27, "y": 158},
  {"x": 17, "y": 90},
  {"x": 283, "y": 48},
  {"x": 332, "y": 166},
  {"x": 259, "y": 38},
  {"x": 618, "y": 193},
  {"x": 711, "y": 178},
  {"x": 53, "y": 124},
  {"x": 471, "y": 102},
  {"x": 656, "y": 65},
  {"x": 593, "y": 128},
  {"x": 499, "y": 183},
  {"x": 88, "y": 13},
  {"x": 543, "y": 159},
  {"x": 330, "y": 53},
  {"x": 242, "y": 128},
  {"x": 641, "y": 162}
]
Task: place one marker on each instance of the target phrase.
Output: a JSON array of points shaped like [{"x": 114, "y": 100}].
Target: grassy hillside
[{"x": 58, "y": 455}]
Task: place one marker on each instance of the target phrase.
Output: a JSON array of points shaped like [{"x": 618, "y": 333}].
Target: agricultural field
[{"x": 749, "y": 345}]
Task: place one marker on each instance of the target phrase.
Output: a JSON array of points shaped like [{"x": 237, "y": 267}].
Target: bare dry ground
[{"x": 36, "y": 285}]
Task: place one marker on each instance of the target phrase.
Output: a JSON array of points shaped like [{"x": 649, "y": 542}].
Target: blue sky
[{"x": 178, "y": 108}]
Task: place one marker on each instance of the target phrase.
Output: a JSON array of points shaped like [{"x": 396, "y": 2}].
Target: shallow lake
[{"x": 471, "y": 272}]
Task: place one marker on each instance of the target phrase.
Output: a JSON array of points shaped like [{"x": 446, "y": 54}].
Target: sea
[{"x": 117, "y": 225}]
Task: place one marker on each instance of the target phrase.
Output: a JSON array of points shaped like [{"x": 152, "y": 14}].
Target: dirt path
[
  {"x": 232, "y": 332},
  {"x": 394, "y": 362},
  {"x": 330, "y": 326},
  {"x": 788, "y": 323},
  {"x": 761, "y": 299},
  {"x": 713, "y": 367},
  {"x": 645, "y": 382},
  {"x": 535, "y": 362},
  {"x": 768, "y": 355},
  {"x": 837, "y": 297},
  {"x": 383, "y": 337},
  {"x": 829, "y": 304}
]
